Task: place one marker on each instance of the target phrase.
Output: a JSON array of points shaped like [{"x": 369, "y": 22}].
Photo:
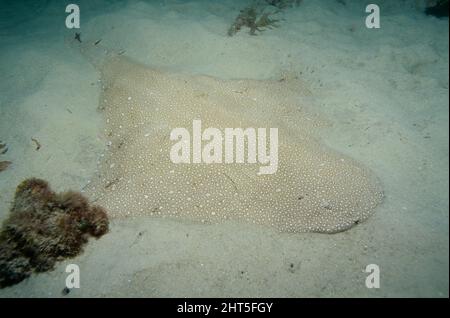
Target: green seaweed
[
  {"x": 254, "y": 19},
  {"x": 257, "y": 18}
]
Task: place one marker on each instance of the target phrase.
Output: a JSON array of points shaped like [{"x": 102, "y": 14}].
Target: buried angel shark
[{"x": 314, "y": 188}]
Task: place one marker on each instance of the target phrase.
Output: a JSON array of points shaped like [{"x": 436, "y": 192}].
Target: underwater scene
[{"x": 224, "y": 148}]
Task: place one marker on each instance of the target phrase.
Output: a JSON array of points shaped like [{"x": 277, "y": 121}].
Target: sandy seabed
[{"x": 385, "y": 92}]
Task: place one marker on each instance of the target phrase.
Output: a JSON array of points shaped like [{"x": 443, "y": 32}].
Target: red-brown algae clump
[{"x": 44, "y": 227}]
